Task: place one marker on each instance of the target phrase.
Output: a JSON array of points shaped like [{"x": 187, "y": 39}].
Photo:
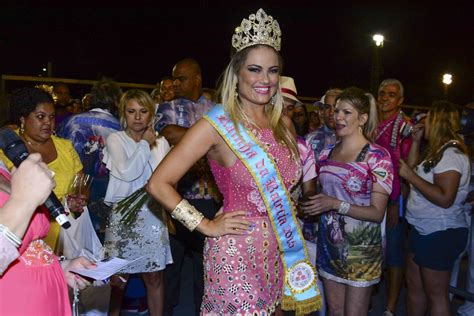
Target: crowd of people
[{"x": 280, "y": 206}]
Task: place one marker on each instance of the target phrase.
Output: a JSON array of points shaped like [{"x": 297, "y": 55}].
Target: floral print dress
[{"x": 350, "y": 251}]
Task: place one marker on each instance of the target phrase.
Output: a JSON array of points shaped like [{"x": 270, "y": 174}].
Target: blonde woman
[
  {"x": 439, "y": 184},
  {"x": 253, "y": 155},
  {"x": 131, "y": 156},
  {"x": 356, "y": 177}
]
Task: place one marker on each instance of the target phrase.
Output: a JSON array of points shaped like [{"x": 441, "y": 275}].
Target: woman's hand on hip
[{"x": 233, "y": 223}]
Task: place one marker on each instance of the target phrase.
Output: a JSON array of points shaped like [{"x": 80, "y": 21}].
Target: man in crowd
[
  {"x": 289, "y": 93},
  {"x": 62, "y": 99},
  {"x": 173, "y": 120},
  {"x": 88, "y": 132},
  {"x": 392, "y": 120},
  {"x": 292, "y": 107},
  {"x": 325, "y": 135},
  {"x": 167, "y": 89}
]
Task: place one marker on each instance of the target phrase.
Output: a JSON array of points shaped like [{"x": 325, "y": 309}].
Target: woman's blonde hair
[
  {"x": 364, "y": 103},
  {"x": 228, "y": 96},
  {"x": 444, "y": 125},
  {"x": 141, "y": 97}
]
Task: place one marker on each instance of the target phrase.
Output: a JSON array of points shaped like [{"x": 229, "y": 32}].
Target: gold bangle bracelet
[{"x": 187, "y": 215}]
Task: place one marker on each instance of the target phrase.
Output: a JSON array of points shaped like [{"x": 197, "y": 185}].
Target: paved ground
[{"x": 186, "y": 306}]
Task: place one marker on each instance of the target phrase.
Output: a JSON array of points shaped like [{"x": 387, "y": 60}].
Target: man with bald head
[
  {"x": 173, "y": 120},
  {"x": 175, "y": 117}
]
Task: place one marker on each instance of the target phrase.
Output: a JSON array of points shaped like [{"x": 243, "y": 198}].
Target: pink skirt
[{"x": 243, "y": 274}]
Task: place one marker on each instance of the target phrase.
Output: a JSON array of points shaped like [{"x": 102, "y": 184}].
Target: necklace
[{"x": 29, "y": 142}]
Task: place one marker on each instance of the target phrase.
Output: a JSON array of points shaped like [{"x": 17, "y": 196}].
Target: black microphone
[{"x": 14, "y": 148}]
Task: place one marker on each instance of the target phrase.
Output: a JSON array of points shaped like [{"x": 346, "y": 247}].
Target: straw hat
[{"x": 288, "y": 88}]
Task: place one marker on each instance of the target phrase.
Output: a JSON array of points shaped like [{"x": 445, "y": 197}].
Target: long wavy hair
[
  {"x": 444, "y": 125},
  {"x": 233, "y": 107},
  {"x": 364, "y": 103}
]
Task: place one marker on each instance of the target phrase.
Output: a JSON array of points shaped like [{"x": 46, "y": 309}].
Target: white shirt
[
  {"x": 427, "y": 217},
  {"x": 131, "y": 164}
]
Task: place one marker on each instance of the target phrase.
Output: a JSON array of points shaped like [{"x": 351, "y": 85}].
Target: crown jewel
[{"x": 260, "y": 28}]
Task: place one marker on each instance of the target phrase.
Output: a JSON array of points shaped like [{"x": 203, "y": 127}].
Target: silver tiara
[{"x": 260, "y": 28}]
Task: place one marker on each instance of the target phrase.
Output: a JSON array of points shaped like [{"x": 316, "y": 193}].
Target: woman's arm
[
  {"x": 33, "y": 178},
  {"x": 31, "y": 184},
  {"x": 309, "y": 187},
  {"x": 380, "y": 167},
  {"x": 194, "y": 145},
  {"x": 4, "y": 185},
  {"x": 374, "y": 212},
  {"x": 442, "y": 192},
  {"x": 120, "y": 165},
  {"x": 414, "y": 153}
]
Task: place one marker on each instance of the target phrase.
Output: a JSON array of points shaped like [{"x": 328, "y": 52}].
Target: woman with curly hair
[{"x": 33, "y": 109}]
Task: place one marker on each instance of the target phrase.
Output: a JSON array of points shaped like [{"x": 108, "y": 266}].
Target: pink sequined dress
[
  {"x": 34, "y": 283},
  {"x": 243, "y": 275}
]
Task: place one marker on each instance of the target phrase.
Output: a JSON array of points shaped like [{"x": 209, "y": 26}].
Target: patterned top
[
  {"x": 196, "y": 184},
  {"x": 401, "y": 149},
  {"x": 350, "y": 250},
  {"x": 237, "y": 185},
  {"x": 88, "y": 132},
  {"x": 243, "y": 274},
  {"x": 309, "y": 227},
  {"x": 307, "y": 158},
  {"x": 320, "y": 139}
]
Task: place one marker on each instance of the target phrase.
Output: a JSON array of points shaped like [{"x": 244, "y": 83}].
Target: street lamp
[
  {"x": 376, "y": 64},
  {"x": 378, "y": 39},
  {"x": 447, "y": 80}
]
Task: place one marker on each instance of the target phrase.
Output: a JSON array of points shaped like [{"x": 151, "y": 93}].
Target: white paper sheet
[{"x": 105, "y": 269}]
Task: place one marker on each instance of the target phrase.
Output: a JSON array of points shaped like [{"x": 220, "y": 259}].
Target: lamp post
[
  {"x": 447, "y": 80},
  {"x": 376, "y": 64}
]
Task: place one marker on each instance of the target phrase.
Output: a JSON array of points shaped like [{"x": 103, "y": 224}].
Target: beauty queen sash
[{"x": 300, "y": 293}]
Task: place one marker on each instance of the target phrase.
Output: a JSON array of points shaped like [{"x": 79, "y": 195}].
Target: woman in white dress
[{"x": 131, "y": 156}]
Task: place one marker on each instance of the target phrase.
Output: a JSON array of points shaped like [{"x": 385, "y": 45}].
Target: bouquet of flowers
[{"x": 131, "y": 205}]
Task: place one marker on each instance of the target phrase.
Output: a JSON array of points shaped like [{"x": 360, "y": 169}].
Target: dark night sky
[{"x": 324, "y": 44}]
